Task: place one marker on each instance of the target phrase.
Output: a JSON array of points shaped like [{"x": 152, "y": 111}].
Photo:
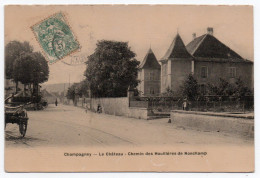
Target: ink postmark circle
[{"x": 75, "y": 60}]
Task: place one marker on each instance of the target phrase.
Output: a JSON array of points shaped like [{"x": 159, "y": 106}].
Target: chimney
[
  {"x": 210, "y": 31},
  {"x": 193, "y": 36}
]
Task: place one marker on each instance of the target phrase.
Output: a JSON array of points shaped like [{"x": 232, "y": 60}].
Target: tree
[
  {"x": 241, "y": 90},
  {"x": 25, "y": 66},
  {"x": 111, "y": 69},
  {"x": 13, "y": 51},
  {"x": 190, "y": 88},
  {"x": 40, "y": 69},
  {"x": 30, "y": 68},
  {"x": 168, "y": 92},
  {"x": 83, "y": 88},
  {"x": 73, "y": 92},
  {"x": 225, "y": 88}
]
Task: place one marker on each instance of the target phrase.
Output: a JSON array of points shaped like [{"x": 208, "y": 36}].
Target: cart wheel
[{"x": 23, "y": 127}]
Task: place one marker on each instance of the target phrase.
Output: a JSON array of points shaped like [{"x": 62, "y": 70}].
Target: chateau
[{"x": 205, "y": 57}]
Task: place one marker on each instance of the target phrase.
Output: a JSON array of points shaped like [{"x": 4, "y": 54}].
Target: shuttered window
[
  {"x": 232, "y": 72},
  {"x": 204, "y": 72}
]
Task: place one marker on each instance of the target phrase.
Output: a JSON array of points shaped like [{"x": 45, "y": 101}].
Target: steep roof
[
  {"x": 150, "y": 61},
  {"x": 207, "y": 46},
  {"x": 177, "y": 49}
]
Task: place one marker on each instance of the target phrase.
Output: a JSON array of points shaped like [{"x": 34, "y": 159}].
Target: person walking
[
  {"x": 56, "y": 102},
  {"x": 184, "y": 105}
]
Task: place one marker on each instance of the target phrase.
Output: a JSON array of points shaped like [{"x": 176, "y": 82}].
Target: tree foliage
[
  {"x": 30, "y": 68},
  {"x": 25, "y": 66},
  {"x": 225, "y": 88},
  {"x": 72, "y": 91},
  {"x": 190, "y": 88},
  {"x": 169, "y": 92},
  {"x": 13, "y": 51},
  {"x": 222, "y": 88},
  {"x": 78, "y": 89},
  {"x": 241, "y": 90},
  {"x": 111, "y": 69}
]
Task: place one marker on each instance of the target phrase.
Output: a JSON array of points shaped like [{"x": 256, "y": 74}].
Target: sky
[{"x": 141, "y": 26}]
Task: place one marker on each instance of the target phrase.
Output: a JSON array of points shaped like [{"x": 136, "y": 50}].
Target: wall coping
[
  {"x": 243, "y": 116},
  {"x": 138, "y": 108}
]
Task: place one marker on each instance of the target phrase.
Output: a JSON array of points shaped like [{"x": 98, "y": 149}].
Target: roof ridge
[{"x": 199, "y": 43}]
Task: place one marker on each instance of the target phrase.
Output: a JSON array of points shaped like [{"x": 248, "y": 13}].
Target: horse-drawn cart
[{"x": 18, "y": 115}]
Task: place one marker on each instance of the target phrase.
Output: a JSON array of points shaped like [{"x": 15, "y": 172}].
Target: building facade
[
  {"x": 149, "y": 75},
  {"x": 207, "y": 59},
  {"x": 214, "y": 60}
]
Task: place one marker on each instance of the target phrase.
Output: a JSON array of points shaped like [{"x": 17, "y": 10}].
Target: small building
[{"x": 149, "y": 74}]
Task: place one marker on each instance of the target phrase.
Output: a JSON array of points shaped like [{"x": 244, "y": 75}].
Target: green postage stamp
[{"x": 55, "y": 37}]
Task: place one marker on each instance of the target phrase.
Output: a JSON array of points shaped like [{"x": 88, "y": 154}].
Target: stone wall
[
  {"x": 237, "y": 126},
  {"x": 118, "y": 107}
]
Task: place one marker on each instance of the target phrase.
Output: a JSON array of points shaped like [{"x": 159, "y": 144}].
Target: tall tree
[
  {"x": 111, "y": 69},
  {"x": 13, "y": 51},
  {"x": 83, "y": 88},
  {"x": 190, "y": 88},
  {"x": 30, "y": 68},
  {"x": 72, "y": 91}
]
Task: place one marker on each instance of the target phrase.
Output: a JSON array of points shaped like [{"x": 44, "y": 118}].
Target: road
[{"x": 72, "y": 126}]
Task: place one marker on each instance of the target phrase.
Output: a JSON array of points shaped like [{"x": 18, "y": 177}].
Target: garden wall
[
  {"x": 118, "y": 107},
  {"x": 237, "y": 126}
]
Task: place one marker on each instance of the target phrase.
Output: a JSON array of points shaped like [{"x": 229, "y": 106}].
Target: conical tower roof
[
  {"x": 150, "y": 61},
  {"x": 177, "y": 50}
]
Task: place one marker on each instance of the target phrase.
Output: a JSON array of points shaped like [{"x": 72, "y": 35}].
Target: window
[
  {"x": 203, "y": 89},
  {"x": 151, "y": 90},
  {"x": 204, "y": 72},
  {"x": 232, "y": 72},
  {"x": 151, "y": 75}
]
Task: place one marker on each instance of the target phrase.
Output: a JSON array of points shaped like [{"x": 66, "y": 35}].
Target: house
[
  {"x": 149, "y": 74},
  {"x": 207, "y": 59},
  {"x": 214, "y": 60}
]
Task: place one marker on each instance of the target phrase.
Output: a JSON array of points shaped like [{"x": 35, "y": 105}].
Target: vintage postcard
[{"x": 129, "y": 88}]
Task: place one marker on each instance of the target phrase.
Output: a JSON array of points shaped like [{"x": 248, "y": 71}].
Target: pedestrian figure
[
  {"x": 99, "y": 109},
  {"x": 184, "y": 105},
  {"x": 56, "y": 102}
]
